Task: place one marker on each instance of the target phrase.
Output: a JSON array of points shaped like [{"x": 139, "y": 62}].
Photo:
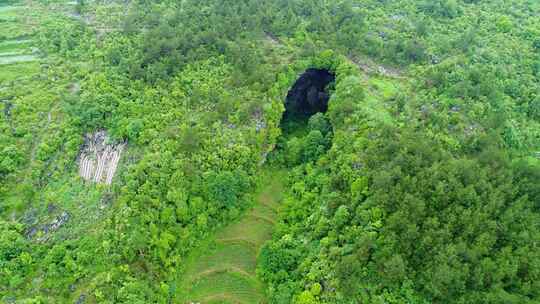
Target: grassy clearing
[
  {"x": 12, "y": 53},
  {"x": 16, "y": 24},
  {"x": 10, "y": 59},
  {"x": 12, "y": 11},
  {"x": 11, "y": 26},
  {"x": 224, "y": 256},
  {"x": 227, "y": 287},
  {"x": 14, "y": 71},
  {"x": 11, "y": 46},
  {"x": 223, "y": 270},
  {"x": 254, "y": 230},
  {"x": 265, "y": 212},
  {"x": 16, "y": 55},
  {"x": 379, "y": 90}
]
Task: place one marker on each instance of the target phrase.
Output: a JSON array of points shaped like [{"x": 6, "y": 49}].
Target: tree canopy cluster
[{"x": 419, "y": 184}]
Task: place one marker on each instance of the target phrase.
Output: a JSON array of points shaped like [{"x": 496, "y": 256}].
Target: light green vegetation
[
  {"x": 381, "y": 91},
  {"x": 11, "y": 72},
  {"x": 15, "y": 43},
  {"x": 14, "y": 58},
  {"x": 12, "y": 24},
  {"x": 15, "y": 46},
  {"x": 223, "y": 269},
  {"x": 418, "y": 185}
]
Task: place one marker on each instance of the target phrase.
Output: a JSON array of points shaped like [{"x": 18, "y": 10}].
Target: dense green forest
[{"x": 411, "y": 175}]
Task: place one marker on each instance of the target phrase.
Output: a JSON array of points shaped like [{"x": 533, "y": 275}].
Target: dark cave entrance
[
  {"x": 307, "y": 132},
  {"x": 309, "y": 95}
]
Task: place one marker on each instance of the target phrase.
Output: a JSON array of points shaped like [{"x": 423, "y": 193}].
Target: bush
[{"x": 319, "y": 122}]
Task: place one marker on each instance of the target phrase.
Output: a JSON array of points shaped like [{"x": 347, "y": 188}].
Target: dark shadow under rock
[{"x": 308, "y": 95}]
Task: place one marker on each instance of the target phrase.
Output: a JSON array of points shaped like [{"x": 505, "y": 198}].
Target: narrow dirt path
[{"x": 223, "y": 271}]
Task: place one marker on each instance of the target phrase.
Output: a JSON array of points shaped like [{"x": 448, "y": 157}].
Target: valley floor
[{"x": 223, "y": 269}]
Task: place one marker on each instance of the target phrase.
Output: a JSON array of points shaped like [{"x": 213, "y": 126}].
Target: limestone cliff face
[{"x": 99, "y": 159}]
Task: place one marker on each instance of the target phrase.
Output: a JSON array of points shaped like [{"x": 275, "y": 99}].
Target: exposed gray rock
[
  {"x": 30, "y": 217},
  {"x": 106, "y": 200},
  {"x": 81, "y": 299},
  {"x": 260, "y": 125},
  {"x": 51, "y": 208},
  {"x": 44, "y": 231},
  {"x": 31, "y": 232},
  {"x": 7, "y": 108},
  {"x": 59, "y": 221},
  {"x": 455, "y": 109}
]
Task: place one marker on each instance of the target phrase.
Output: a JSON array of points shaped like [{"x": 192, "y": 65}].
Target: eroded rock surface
[
  {"x": 99, "y": 158},
  {"x": 43, "y": 232}
]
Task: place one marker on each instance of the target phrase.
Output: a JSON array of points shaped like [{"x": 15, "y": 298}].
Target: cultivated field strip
[
  {"x": 227, "y": 286},
  {"x": 225, "y": 272},
  {"x": 15, "y": 45}
]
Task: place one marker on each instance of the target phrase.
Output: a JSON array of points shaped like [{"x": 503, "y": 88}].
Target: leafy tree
[
  {"x": 225, "y": 188},
  {"x": 319, "y": 122}
]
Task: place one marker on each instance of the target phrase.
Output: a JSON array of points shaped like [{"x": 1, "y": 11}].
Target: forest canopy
[{"x": 276, "y": 151}]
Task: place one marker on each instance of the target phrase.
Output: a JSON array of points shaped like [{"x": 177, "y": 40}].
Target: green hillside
[{"x": 279, "y": 151}]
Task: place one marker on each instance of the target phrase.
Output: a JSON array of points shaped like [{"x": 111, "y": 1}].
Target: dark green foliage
[
  {"x": 15, "y": 259},
  {"x": 441, "y": 8},
  {"x": 303, "y": 149},
  {"x": 225, "y": 188},
  {"x": 10, "y": 159},
  {"x": 424, "y": 217},
  {"x": 319, "y": 122},
  {"x": 420, "y": 184},
  {"x": 314, "y": 146}
]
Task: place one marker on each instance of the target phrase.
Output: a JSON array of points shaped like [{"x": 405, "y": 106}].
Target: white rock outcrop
[{"x": 99, "y": 159}]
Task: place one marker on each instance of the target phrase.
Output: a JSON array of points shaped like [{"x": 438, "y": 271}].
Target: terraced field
[
  {"x": 18, "y": 58},
  {"x": 223, "y": 270}
]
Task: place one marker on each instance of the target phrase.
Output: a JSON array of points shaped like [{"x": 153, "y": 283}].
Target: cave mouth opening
[{"x": 309, "y": 95}]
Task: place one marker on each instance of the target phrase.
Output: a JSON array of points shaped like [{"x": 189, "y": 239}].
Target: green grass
[
  {"x": 385, "y": 87},
  {"x": 10, "y": 11},
  {"x": 11, "y": 46},
  {"x": 250, "y": 229},
  {"x": 12, "y": 22},
  {"x": 270, "y": 190},
  {"x": 265, "y": 212},
  {"x": 223, "y": 269},
  {"x": 380, "y": 90},
  {"x": 227, "y": 287},
  {"x": 16, "y": 58},
  {"x": 225, "y": 256},
  {"x": 11, "y": 72}
]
